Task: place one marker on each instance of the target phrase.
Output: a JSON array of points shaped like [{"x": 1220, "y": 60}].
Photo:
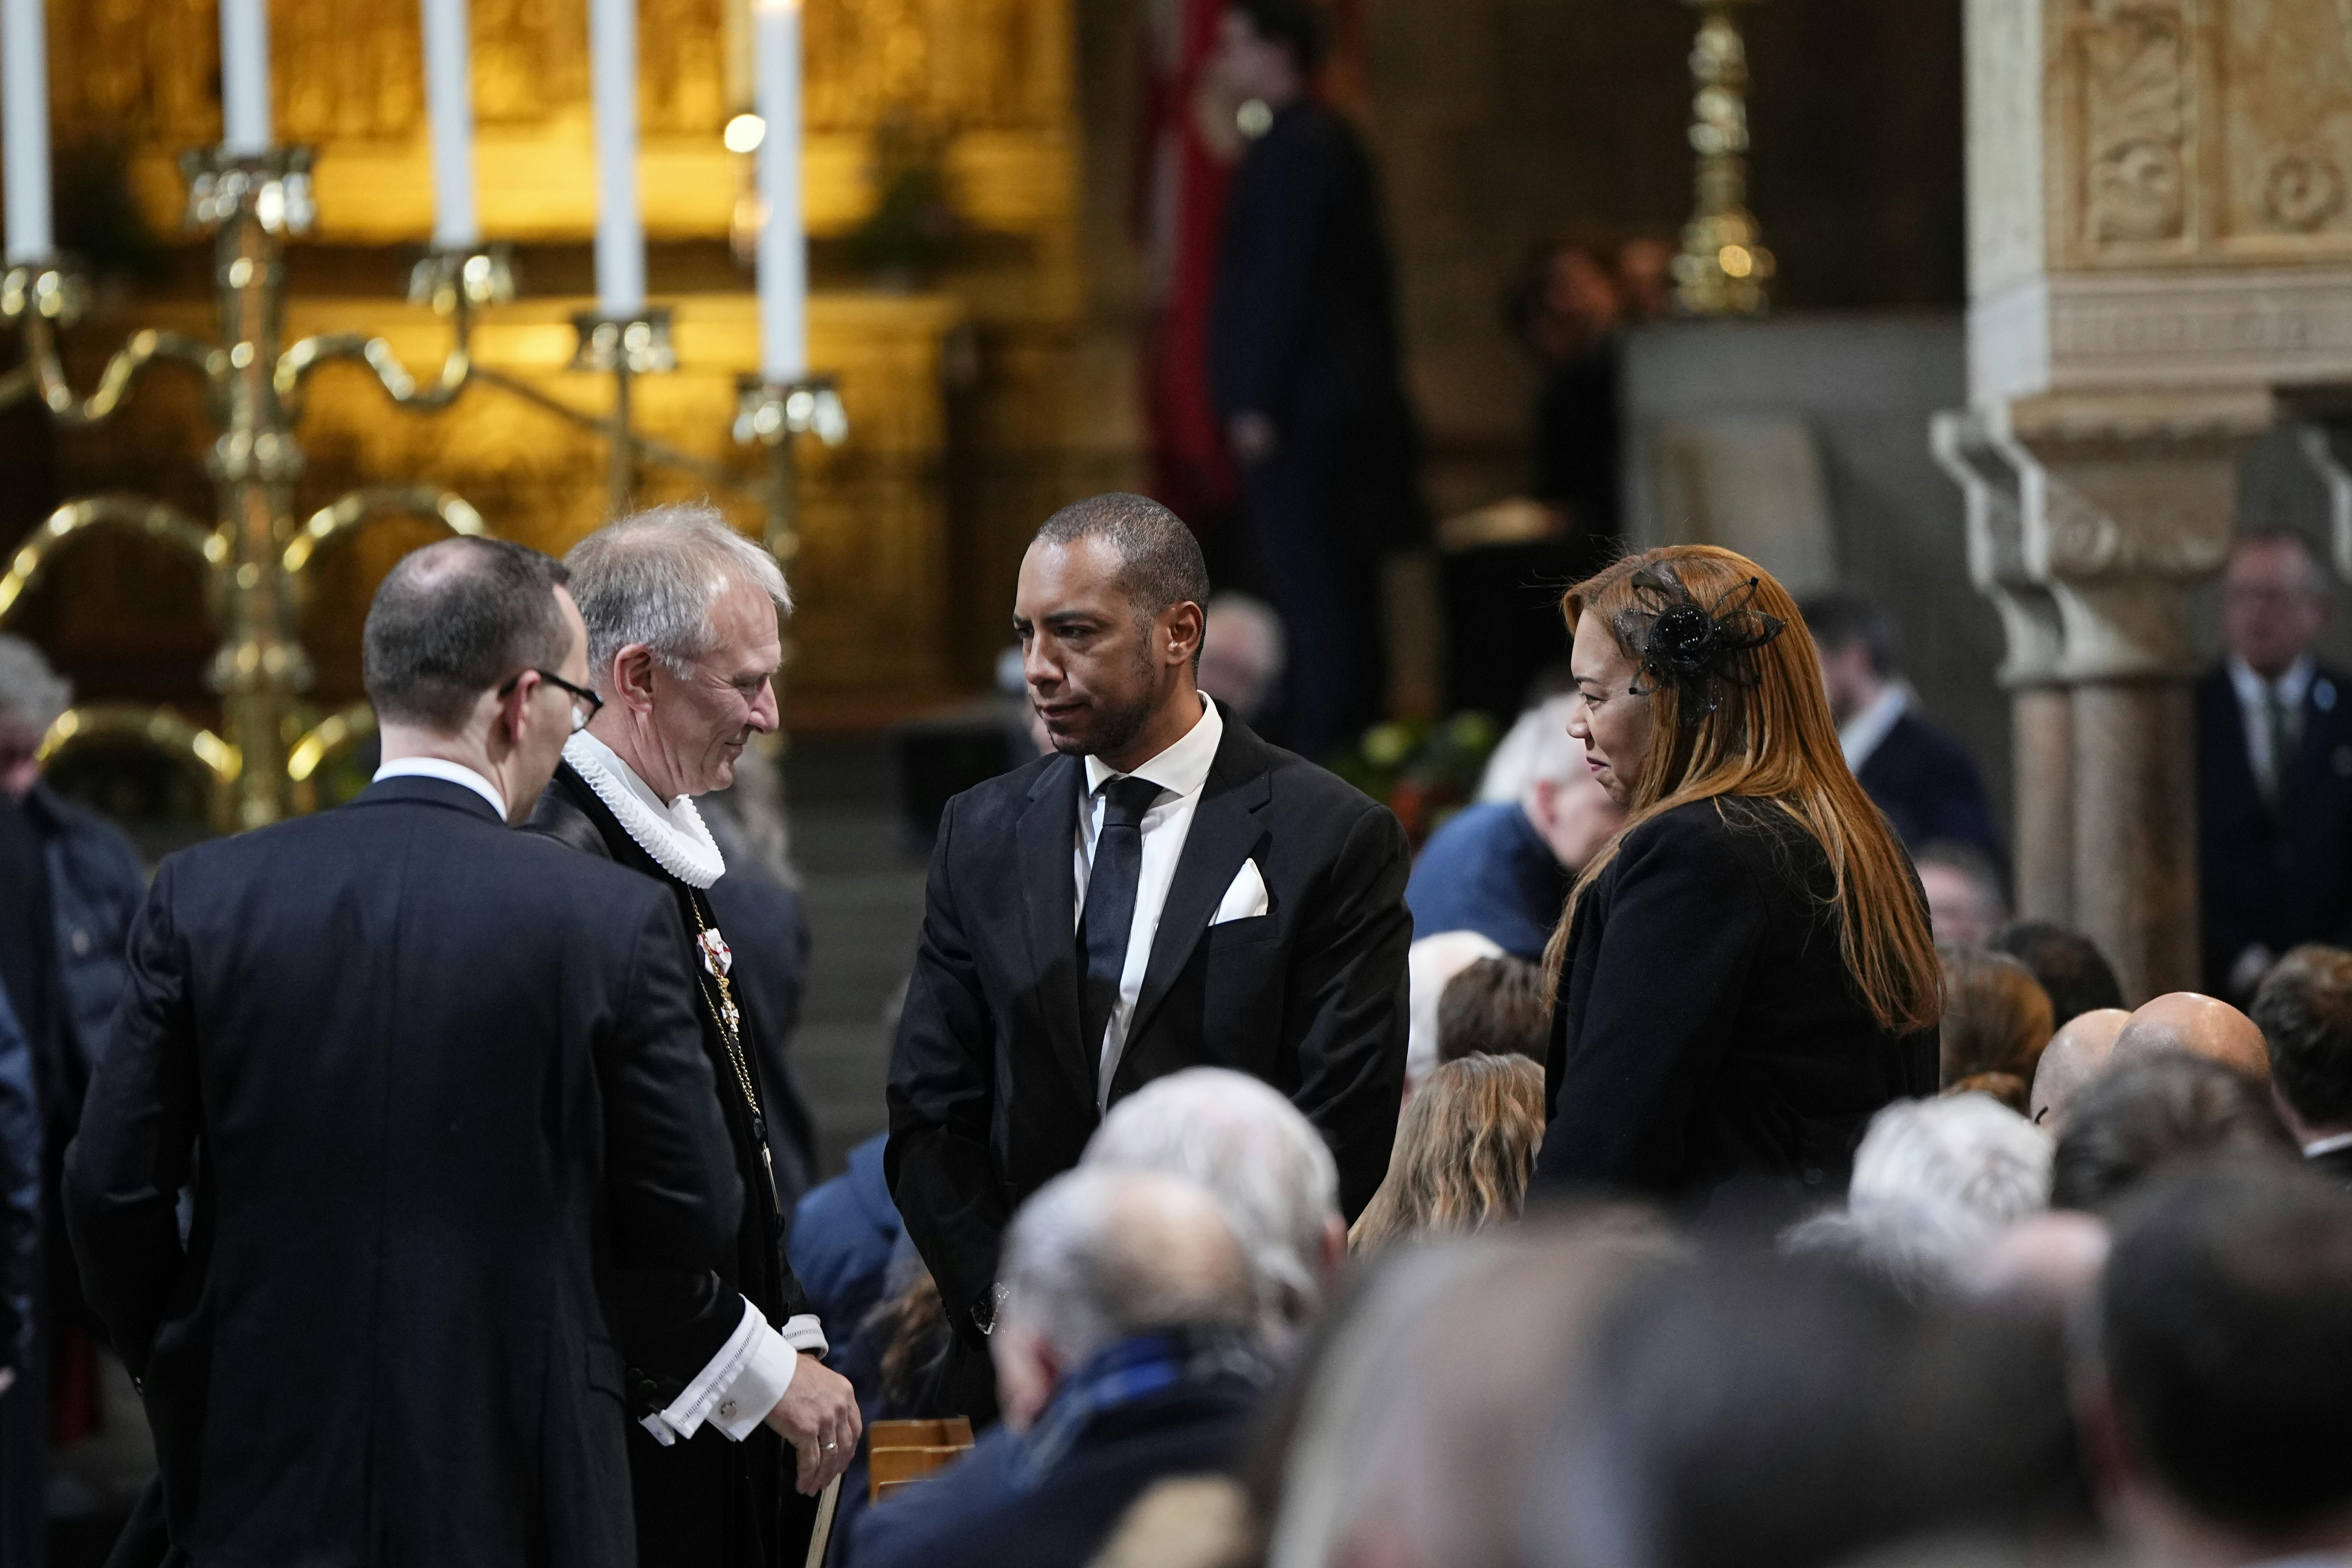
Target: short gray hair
[
  {"x": 29, "y": 689},
  {"x": 652, "y": 576},
  {"x": 1253, "y": 1153},
  {"x": 1098, "y": 1254}
]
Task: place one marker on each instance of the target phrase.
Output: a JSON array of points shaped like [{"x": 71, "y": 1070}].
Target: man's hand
[{"x": 818, "y": 1417}]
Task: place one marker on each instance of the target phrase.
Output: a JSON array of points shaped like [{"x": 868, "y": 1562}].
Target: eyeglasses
[{"x": 579, "y": 694}]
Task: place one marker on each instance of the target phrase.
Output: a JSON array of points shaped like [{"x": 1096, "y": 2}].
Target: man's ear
[
  {"x": 631, "y": 676},
  {"x": 1180, "y": 630}
]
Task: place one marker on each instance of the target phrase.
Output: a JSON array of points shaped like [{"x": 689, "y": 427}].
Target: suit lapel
[
  {"x": 1225, "y": 829},
  {"x": 1049, "y": 906}
]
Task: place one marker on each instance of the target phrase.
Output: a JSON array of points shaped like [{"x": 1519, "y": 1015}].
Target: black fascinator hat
[{"x": 1701, "y": 650}]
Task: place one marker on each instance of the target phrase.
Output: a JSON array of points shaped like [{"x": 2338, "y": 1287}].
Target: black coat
[
  {"x": 1707, "y": 1029},
  {"x": 1927, "y": 784},
  {"x": 2276, "y": 877},
  {"x": 992, "y": 1089},
  {"x": 435, "y": 1082},
  {"x": 706, "y": 1501}
]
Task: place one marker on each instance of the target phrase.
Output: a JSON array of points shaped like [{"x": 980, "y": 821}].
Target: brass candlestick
[
  {"x": 773, "y": 414},
  {"x": 623, "y": 347},
  {"x": 1723, "y": 268}
]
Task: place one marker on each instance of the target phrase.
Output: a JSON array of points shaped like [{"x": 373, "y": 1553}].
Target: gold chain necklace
[{"x": 730, "y": 1034}]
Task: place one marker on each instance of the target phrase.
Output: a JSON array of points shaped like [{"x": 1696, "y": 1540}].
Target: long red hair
[{"x": 1773, "y": 740}]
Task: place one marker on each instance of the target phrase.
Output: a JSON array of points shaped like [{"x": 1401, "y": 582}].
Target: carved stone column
[{"x": 2160, "y": 241}]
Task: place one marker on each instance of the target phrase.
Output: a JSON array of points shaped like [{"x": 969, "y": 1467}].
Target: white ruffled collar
[{"x": 675, "y": 836}]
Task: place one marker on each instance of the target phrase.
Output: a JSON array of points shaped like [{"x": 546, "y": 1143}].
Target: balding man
[
  {"x": 1166, "y": 891},
  {"x": 2201, "y": 1025},
  {"x": 434, "y": 1083},
  {"x": 682, "y": 641},
  {"x": 2075, "y": 1055},
  {"x": 1127, "y": 1350}
]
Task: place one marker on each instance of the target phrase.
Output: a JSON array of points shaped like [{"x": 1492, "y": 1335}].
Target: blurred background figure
[
  {"x": 1923, "y": 779},
  {"x": 2200, "y": 1025},
  {"x": 1564, "y": 306},
  {"x": 2273, "y": 770},
  {"x": 2140, "y": 1117},
  {"x": 1965, "y": 904},
  {"x": 1464, "y": 1150},
  {"x": 2076, "y": 1054},
  {"x": 1496, "y": 1007},
  {"x": 1646, "y": 277},
  {"x": 2214, "y": 1386},
  {"x": 1996, "y": 1023},
  {"x": 1303, "y": 362},
  {"x": 2074, "y": 974},
  {"x": 2305, "y": 1010},
  {"x": 1243, "y": 658},
  {"x": 1126, "y": 1350}
]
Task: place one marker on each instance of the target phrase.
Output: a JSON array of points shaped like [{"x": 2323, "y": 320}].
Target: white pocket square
[{"x": 1245, "y": 899}]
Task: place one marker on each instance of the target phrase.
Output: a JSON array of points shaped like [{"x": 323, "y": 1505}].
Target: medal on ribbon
[{"x": 716, "y": 956}]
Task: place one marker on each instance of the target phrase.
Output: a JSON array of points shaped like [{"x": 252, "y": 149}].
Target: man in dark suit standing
[
  {"x": 683, "y": 644},
  {"x": 438, "y": 1089},
  {"x": 1303, "y": 364},
  {"x": 1921, "y": 777},
  {"x": 1166, "y": 891},
  {"x": 2273, "y": 770},
  {"x": 2304, "y": 1008}
]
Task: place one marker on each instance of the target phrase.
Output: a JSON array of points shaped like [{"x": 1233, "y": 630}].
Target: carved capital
[{"x": 1992, "y": 484}]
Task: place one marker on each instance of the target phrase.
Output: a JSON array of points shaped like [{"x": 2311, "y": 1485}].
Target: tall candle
[
  {"x": 449, "y": 100},
  {"x": 245, "y": 78},
  {"x": 25, "y": 128},
  {"x": 620, "y": 229},
  {"x": 784, "y": 242}
]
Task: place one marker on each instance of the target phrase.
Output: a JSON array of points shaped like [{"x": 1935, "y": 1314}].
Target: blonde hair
[
  {"x": 1465, "y": 1150},
  {"x": 1773, "y": 740}
]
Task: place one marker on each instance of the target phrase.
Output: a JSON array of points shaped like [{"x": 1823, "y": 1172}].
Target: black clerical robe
[{"x": 705, "y": 1502}]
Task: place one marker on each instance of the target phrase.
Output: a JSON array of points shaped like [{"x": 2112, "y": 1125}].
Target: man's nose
[{"x": 764, "y": 717}]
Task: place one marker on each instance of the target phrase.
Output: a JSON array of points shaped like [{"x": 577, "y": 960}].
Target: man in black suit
[
  {"x": 682, "y": 645},
  {"x": 2304, "y": 1008},
  {"x": 1922, "y": 778},
  {"x": 1302, "y": 366},
  {"x": 1128, "y": 1352},
  {"x": 1166, "y": 891},
  {"x": 2273, "y": 770},
  {"x": 437, "y": 1088}
]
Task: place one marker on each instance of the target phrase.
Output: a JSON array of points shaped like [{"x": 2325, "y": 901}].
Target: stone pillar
[{"x": 2160, "y": 244}]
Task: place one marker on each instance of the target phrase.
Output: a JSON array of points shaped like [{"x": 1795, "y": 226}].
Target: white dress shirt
[
  {"x": 1862, "y": 734},
  {"x": 2328, "y": 1145},
  {"x": 447, "y": 772},
  {"x": 1182, "y": 772},
  {"x": 2253, "y": 693}
]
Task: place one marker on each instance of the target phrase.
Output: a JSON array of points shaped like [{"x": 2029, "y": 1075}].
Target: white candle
[
  {"x": 25, "y": 128},
  {"x": 784, "y": 242},
  {"x": 449, "y": 100},
  {"x": 245, "y": 78},
  {"x": 620, "y": 230}
]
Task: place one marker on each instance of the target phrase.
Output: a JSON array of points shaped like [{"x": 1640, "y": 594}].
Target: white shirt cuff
[{"x": 742, "y": 1383}]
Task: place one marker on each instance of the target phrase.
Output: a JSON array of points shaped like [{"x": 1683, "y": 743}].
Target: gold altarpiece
[{"x": 890, "y": 618}]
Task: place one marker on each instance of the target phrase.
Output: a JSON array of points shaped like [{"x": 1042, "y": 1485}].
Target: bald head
[
  {"x": 2186, "y": 1021},
  {"x": 2075, "y": 1055}
]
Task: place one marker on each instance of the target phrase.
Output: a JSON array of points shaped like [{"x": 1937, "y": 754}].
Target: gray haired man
[{"x": 682, "y": 641}]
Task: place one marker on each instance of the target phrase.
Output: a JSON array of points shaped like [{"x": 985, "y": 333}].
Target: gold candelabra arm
[
  {"x": 455, "y": 283},
  {"x": 772, "y": 416},
  {"x": 348, "y": 512},
  {"x": 42, "y": 298},
  {"x": 137, "y": 513},
  {"x": 159, "y": 730}
]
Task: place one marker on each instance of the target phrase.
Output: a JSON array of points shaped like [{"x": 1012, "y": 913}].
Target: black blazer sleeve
[
  {"x": 132, "y": 1156},
  {"x": 1347, "y": 981},
  {"x": 1684, "y": 921},
  {"x": 942, "y": 1088}
]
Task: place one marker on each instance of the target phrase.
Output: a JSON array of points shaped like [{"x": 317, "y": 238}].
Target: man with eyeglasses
[
  {"x": 682, "y": 644},
  {"x": 440, "y": 1094}
]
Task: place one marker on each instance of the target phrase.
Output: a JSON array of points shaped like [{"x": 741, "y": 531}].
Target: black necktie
[{"x": 1110, "y": 915}]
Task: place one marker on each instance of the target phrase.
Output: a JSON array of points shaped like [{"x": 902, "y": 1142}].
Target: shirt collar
[
  {"x": 2318, "y": 1146},
  {"x": 447, "y": 771},
  {"x": 1860, "y": 734},
  {"x": 621, "y": 770},
  {"x": 2252, "y": 688},
  {"x": 1183, "y": 767}
]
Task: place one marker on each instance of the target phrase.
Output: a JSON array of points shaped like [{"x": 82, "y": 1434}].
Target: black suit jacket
[
  {"x": 1705, "y": 1028},
  {"x": 706, "y": 1502},
  {"x": 1926, "y": 784},
  {"x": 434, "y": 1081},
  {"x": 2273, "y": 876},
  {"x": 992, "y": 1089}
]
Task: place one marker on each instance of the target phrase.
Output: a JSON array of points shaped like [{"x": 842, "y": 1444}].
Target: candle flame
[{"x": 745, "y": 133}]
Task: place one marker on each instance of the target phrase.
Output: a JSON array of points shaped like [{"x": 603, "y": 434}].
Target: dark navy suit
[
  {"x": 1926, "y": 784},
  {"x": 2273, "y": 876}
]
